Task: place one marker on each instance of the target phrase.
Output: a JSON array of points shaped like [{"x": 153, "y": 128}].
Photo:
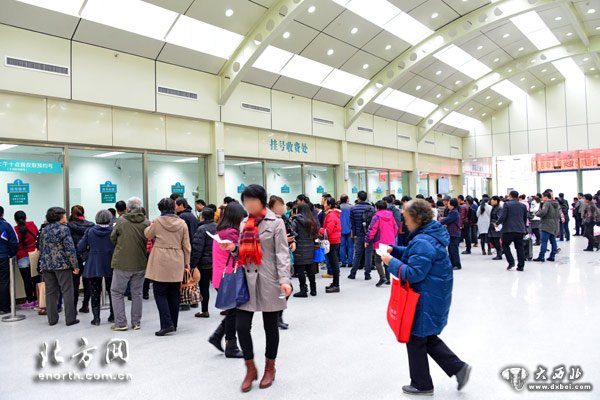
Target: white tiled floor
[{"x": 339, "y": 346}]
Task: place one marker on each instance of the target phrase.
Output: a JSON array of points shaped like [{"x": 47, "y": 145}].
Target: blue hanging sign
[
  {"x": 241, "y": 188},
  {"x": 399, "y": 190},
  {"x": 18, "y": 193},
  {"x": 354, "y": 189},
  {"x": 178, "y": 188},
  {"x": 378, "y": 190},
  {"x": 108, "y": 192},
  {"x": 31, "y": 166},
  {"x": 320, "y": 189},
  {"x": 285, "y": 189}
]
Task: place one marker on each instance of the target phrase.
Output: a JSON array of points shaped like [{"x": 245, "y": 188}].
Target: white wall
[
  {"x": 236, "y": 175},
  {"x": 515, "y": 173}
]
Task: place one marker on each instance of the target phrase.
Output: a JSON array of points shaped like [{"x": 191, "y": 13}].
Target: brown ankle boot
[
  {"x": 269, "y": 375},
  {"x": 251, "y": 375}
]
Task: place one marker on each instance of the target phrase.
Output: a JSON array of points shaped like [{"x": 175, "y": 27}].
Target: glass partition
[
  {"x": 319, "y": 179},
  {"x": 357, "y": 181},
  {"x": 378, "y": 184},
  {"x": 175, "y": 174},
  {"x": 32, "y": 179},
  {"x": 241, "y": 173},
  {"x": 424, "y": 184},
  {"x": 284, "y": 180},
  {"x": 560, "y": 182},
  {"x": 100, "y": 178},
  {"x": 396, "y": 184},
  {"x": 590, "y": 181}
]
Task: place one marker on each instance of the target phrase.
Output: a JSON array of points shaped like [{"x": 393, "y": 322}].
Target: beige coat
[
  {"x": 264, "y": 280},
  {"x": 171, "y": 250}
]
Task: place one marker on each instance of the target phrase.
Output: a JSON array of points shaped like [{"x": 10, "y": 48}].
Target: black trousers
[
  {"x": 28, "y": 286},
  {"x": 495, "y": 241},
  {"x": 537, "y": 234},
  {"x": 578, "y": 225},
  {"x": 59, "y": 281},
  {"x": 588, "y": 232},
  {"x": 517, "y": 239},
  {"x": 167, "y": 296},
  {"x": 5, "y": 284},
  {"x": 146, "y": 290},
  {"x": 244, "y": 328},
  {"x": 96, "y": 289},
  {"x": 466, "y": 236},
  {"x": 302, "y": 271},
  {"x": 333, "y": 257},
  {"x": 205, "y": 278},
  {"x": 418, "y": 348},
  {"x": 86, "y": 286},
  {"x": 484, "y": 240}
]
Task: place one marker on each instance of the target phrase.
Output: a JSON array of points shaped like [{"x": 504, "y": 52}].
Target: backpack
[
  {"x": 473, "y": 218},
  {"x": 367, "y": 217}
]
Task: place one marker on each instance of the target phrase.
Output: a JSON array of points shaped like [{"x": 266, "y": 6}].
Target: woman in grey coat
[{"x": 263, "y": 252}]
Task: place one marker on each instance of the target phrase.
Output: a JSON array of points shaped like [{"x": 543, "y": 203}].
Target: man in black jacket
[
  {"x": 201, "y": 256},
  {"x": 513, "y": 218},
  {"x": 184, "y": 211}
]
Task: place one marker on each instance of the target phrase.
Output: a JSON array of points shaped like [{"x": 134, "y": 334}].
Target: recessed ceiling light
[
  {"x": 483, "y": 115},
  {"x": 286, "y": 35},
  {"x": 330, "y": 52},
  {"x": 439, "y": 72},
  {"x": 509, "y": 70},
  {"x": 496, "y": 59},
  {"x": 592, "y": 69},
  {"x": 586, "y": 59},
  {"x": 109, "y": 154},
  {"x": 228, "y": 12},
  {"x": 591, "y": 11},
  {"x": 312, "y": 9},
  {"x": 456, "y": 103},
  {"x": 544, "y": 70},
  {"x": 552, "y": 79},
  {"x": 354, "y": 30},
  {"x": 435, "y": 15},
  {"x": 506, "y": 35},
  {"x": 470, "y": 108},
  {"x": 418, "y": 87},
  {"x": 365, "y": 66},
  {"x": 479, "y": 47},
  {"x": 488, "y": 97},
  {"x": 437, "y": 96},
  {"x": 457, "y": 82},
  {"x": 598, "y": 28},
  {"x": 521, "y": 48},
  {"x": 389, "y": 46},
  {"x": 532, "y": 61},
  {"x": 532, "y": 87},
  {"x": 558, "y": 18},
  {"x": 569, "y": 33},
  {"x": 522, "y": 79},
  {"x": 499, "y": 103}
]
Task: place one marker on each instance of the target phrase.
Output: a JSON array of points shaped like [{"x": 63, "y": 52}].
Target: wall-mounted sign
[
  {"x": 108, "y": 192},
  {"x": 40, "y": 167},
  {"x": 285, "y": 189},
  {"x": 378, "y": 190},
  {"x": 241, "y": 188},
  {"x": 178, "y": 188},
  {"x": 320, "y": 189},
  {"x": 559, "y": 161},
  {"x": 18, "y": 193},
  {"x": 399, "y": 191},
  {"x": 288, "y": 146},
  {"x": 354, "y": 189}
]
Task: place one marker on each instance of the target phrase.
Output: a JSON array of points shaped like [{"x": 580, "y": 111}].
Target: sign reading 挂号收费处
[
  {"x": 288, "y": 146},
  {"x": 40, "y": 167},
  {"x": 178, "y": 188},
  {"x": 18, "y": 193},
  {"x": 108, "y": 192}
]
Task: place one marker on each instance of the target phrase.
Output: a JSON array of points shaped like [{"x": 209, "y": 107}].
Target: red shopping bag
[{"x": 401, "y": 309}]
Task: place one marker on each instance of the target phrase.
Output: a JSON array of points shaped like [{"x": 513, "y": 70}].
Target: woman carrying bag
[
  {"x": 263, "y": 253},
  {"x": 425, "y": 264},
  {"x": 332, "y": 232}
]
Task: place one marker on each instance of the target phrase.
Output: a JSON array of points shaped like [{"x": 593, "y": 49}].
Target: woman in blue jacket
[
  {"x": 96, "y": 242},
  {"x": 425, "y": 264}
]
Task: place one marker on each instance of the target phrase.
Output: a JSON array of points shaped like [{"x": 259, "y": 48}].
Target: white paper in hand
[
  {"x": 381, "y": 250},
  {"x": 218, "y": 239}
]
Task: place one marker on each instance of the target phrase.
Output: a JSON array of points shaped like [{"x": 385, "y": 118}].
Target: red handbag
[{"x": 401, "y": 309}]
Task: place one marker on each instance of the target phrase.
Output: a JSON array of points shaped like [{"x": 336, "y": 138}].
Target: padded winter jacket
[{"x": 383, "y": 229}]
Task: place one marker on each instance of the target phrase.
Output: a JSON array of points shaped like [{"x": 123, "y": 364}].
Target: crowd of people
[{"x": 122, "y": 253}]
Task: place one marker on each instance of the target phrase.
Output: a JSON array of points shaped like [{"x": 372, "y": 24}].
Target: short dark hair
[
  {"x": 166, "y": 205},
  {"x": 325, "y": 195},
  {"x": 182, "y": 202},
  {"x": 121, "y": 206},
  {"x": 420, "y": 196},
  {"x": 255, "y": 191},
  {"x": 344, "y": 198},
  {"x": 228, "y": 200},
  {"x": 461, "y": 197},
  {"x": 362, "y": 195},
  {"x": 20, "y": 217},
  {"x": 588, "y": 197},
  {"x": 389, "y": 199},
  {"x": 275, "y": 199},
  {"x": 174, "y": 196},
  {"x": 53, "y": 215},
  {"x": 200, "y": 201},
  {"x": 113, "y": 211},
  {"x": 547, "y": 194},
  {"x": 231, "y": 216},
  {"x": 381, "y": 205},
  {"x": 561, "y": 195},
  {"x": 454, "y": 202},
  {"x": 208, "y": 214},
  {"x": 213, "y": 206},
  {"x": 330, "y": 201},
  {"x": 514, "y": 194}
]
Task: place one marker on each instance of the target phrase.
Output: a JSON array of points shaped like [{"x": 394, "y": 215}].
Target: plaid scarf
[{"x": 250, "y": 251}]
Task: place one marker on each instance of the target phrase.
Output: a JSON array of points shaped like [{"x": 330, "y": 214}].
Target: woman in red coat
[
  {"x": 27, "y": 234},
  {"x": 333, "y": 227}
]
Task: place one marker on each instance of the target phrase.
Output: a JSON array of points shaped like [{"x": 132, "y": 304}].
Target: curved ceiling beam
[
  {"x": 268, "y": 28},
  {"x": 451, "y": 33},
  {"x": 506, "y": 71}
]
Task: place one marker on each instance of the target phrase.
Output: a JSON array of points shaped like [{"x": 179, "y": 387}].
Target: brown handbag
[{"x": 189, "y": 292}]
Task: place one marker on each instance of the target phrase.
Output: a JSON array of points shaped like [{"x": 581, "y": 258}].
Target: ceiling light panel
[
  {"x": 508, "y": 89},
  {"x": 568, "y": 68},
  {"x": 534, "y": 28},
  {"x": 70, "y": 7},
  {"x": 273, "y": 59},
  {"x": 389, "y": 17},
  {"x": 344, "y": 82},
  {"x": 405, "y": 102},
  {"x": 462, "y": 61},
  {"x": 306, "y": 70},
  {"x": 205, "y": 38},
  {"x": 131, "y": 15}
]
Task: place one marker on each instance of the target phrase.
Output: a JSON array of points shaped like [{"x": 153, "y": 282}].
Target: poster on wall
[
  {"x": 31, "y": 166},
  {"x": 285, "y": 189},
  {"x": 240, "y": 189},
  {"x": 559, "y": 161},
  {"x": 18, "y": 193},
  {"x": 108, "y": 192},
  {"x": 178, "y": 188}
]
